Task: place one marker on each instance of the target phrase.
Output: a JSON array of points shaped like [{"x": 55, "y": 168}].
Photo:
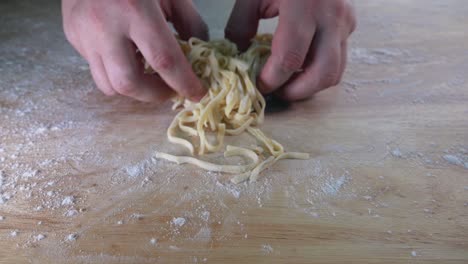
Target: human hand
[
  {"x": 108, "y": 33},
  {"x": 309, "y": 48}
]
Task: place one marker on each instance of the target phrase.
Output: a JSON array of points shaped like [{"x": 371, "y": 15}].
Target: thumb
[
  {"x": 243, "y": 23},
  {"x": 187, "y": 21}
]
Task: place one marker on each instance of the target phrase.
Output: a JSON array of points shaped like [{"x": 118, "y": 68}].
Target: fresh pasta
[{"x": 232, "y": 106}]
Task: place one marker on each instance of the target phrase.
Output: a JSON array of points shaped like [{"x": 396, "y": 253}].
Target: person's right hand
[{"x": 107, "y": 34}]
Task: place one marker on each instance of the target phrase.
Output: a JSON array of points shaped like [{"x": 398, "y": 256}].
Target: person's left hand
[{"x": 309, "y": 48}]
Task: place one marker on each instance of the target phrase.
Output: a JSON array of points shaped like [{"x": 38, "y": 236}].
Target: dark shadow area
[{"x": 274, "y": 104}]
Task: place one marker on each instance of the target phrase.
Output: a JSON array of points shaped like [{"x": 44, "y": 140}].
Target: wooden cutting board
[{"x": 387, "y": 181}]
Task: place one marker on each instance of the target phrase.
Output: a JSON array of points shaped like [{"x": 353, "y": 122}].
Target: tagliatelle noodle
[{"x": 232, "y": 106}]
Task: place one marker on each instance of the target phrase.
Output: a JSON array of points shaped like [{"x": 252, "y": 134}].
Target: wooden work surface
[{"x": 387, "y": 181}]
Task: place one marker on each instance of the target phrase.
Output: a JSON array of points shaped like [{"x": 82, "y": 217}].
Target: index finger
[
  {"x": 290, "y": 45},
  {"x": 158, "y": 45}
]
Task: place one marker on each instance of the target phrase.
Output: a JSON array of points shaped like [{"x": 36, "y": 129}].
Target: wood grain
[{"x": 379, "y": 187}]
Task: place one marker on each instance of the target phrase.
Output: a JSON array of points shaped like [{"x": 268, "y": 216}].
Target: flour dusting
[
  {"x": 397, "y": 153},
  {"x": 458, "y": 158},
  {"x": 332, "y": 187},
  {"x": 179, "y": 221},
  {"x": 267, "y": 249},
  {"x": 72, "y": 237}
]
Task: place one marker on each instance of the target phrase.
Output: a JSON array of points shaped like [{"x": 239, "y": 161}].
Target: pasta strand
[{"x": 232, "y": 106}]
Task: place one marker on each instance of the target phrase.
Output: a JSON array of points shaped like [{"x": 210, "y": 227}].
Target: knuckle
[
  {"x": 162, "y": 61},
  {"x": 291, "y": 61}
]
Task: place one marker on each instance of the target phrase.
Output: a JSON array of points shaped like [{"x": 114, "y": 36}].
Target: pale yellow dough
[{"x": 232, "y": 106}]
